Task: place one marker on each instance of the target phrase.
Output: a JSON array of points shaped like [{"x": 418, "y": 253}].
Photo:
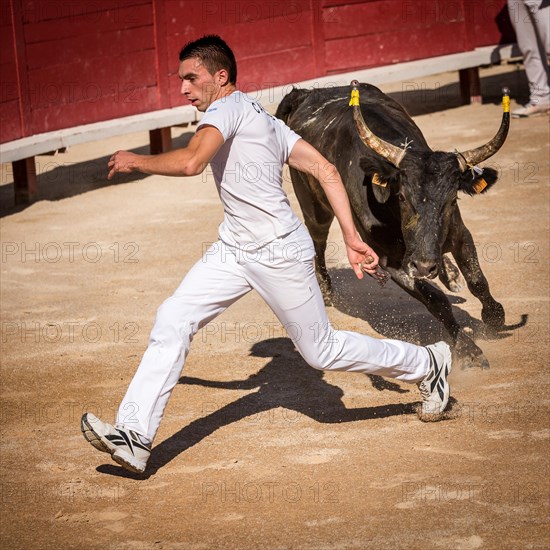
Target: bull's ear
[
  {"x": 380, "y": 175},
  {"x": 380, "y": 188},
  {"x": 480, "y": 183}
]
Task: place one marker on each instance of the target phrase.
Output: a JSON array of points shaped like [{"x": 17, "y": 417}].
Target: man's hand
[
  {"x": 122, "y": 162},
  {"x": 361, "y": 257}
]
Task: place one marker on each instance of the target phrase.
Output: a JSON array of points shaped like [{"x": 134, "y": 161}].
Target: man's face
[{"x": 197, "y": 84}]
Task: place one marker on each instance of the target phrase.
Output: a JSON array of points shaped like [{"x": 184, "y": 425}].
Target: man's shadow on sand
[{"x": 285, "y": 381}]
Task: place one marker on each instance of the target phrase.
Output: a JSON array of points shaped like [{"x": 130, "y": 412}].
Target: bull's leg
[
  {"x": 318, "y": 226},
  {"x": 323, "y": 277},
  {"x": 465, "y": 254},
  {"x": 468, "y": 353},
  {"x": 318, "y": 219}
]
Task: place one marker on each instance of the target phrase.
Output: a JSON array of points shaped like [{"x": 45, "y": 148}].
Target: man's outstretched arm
[
  {"x": 189, "y": 161},
  {"x": 306, "y": 158}
]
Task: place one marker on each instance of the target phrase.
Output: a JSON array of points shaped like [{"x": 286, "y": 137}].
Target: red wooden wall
[{"x": 70, "y": 62}]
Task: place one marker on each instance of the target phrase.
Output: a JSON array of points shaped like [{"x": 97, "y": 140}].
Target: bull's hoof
[
  {"x": 493, "y": 316},
  {"x": 472, "y": 362},
  {"x": 450, "y": 276},
  {"x": 456, "y": 285},
  {"x": 480, "y": 362},
  {"x": 467, "y": 354}
]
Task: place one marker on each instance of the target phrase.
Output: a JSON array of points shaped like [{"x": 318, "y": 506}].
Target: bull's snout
[{"x": 423, "y": 269}]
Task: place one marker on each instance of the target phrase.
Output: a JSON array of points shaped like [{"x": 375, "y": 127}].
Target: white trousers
[
  {"x": 531, "y": 22},
  {"x": 283, "y": 273}
]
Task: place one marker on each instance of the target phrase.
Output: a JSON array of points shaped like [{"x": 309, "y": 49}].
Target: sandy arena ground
[{"x": 257, "y": 450}]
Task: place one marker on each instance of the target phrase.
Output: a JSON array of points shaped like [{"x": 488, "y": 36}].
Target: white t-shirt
[{"x": 248, "y": 171}]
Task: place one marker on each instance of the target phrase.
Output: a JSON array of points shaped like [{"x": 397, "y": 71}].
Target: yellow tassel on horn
[{"x": 354, "y": 101}]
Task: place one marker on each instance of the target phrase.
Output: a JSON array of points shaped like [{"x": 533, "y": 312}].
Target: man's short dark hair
[{"x": 214, "y": 53}]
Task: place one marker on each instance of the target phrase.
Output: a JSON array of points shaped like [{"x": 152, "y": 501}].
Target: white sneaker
[
  {"x": 531, "y": 109},
  {"x": 435, "y": 387},
  {"x": 126, "y": 447}
]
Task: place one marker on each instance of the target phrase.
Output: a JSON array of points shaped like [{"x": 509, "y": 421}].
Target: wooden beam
[
  {"x": 25, "y": 183},
  {"x": 160, "y": 140},
  {"x": 470, "y": 86}
]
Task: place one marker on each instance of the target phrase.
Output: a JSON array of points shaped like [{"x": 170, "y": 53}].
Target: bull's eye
[{"x": 401, "y": 197}]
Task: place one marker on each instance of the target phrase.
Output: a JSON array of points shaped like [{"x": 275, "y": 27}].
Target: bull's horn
[
  {"x": 387, "y": 150},
  {"x": 470, "y": 158}
]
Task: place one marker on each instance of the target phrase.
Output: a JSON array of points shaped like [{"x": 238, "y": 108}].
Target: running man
[{"x": 247, "y": 149}]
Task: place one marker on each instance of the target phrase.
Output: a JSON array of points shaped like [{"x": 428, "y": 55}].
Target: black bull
[{"x": 403, "y": 196}]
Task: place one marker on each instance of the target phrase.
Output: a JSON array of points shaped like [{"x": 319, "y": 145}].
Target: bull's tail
[{"x": 290, "y": 103}]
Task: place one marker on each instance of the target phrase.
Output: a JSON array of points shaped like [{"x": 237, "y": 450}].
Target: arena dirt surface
[{"x": 257, "y": 450}]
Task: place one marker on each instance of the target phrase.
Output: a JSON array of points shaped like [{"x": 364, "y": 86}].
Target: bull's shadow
[
  {"x": 391, "y": 312},
  {"x": 285, "y": 381}
]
